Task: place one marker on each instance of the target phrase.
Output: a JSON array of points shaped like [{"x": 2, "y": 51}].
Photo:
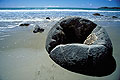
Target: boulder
[
  {"x": 24, "y": 24},
  {"x": 114, "y": 17},
  {"x": 48, "y": 18},
  {"x": 97, "y": 14},
  {"x": 38, "y": 29},
  {"x": 69, "y": 30},
  {"x": 81, "y": 46}
]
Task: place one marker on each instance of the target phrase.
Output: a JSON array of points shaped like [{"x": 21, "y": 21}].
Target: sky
[{"x": 60, "y": 3}]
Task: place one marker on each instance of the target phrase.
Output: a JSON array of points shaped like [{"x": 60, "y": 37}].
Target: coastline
[
  {"x": 109, "y": 8},
  {"x": 33, "y": 60},
  {"x": 23, "y": 55}
]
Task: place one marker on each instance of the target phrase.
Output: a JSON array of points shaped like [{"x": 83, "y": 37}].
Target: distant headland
[{"x": 109, "y": 8}]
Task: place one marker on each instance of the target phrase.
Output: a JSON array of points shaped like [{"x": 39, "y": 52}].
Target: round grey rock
[{"x": 80, "y": 46}]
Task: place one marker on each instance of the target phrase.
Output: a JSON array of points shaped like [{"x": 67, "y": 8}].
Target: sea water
[{"x": 12, "y": 17}]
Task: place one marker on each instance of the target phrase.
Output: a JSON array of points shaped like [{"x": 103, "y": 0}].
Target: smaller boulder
[
  {"x": 114, "y": 17},
  {"x": 97, "y": 14},
  {"x": 48, "y": 18},
  {"x": 24, "y": 24},
  {"x": 38, "y": 29}
]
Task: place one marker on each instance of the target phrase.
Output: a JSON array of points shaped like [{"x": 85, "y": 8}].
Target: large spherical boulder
[{"x": 81, "y": 46}]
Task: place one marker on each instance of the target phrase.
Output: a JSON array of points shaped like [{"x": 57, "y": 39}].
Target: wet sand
[{"x": 23, "y": 57}]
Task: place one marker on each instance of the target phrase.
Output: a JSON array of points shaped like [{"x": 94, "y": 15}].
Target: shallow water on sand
[{"x": 23, "y": 57}]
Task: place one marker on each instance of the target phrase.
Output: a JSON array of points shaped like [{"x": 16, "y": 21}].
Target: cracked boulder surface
[{"x": 81, "y": 46}]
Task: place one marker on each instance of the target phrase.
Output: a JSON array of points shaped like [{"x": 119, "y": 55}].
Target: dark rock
[
  {"x": 80, "y": 58},
  {"x": 114, "y": 17},
  {"x": 97, "y": 14},
  {"x": 81, "y": 46},
  {"x": 109, "y": 8},
  {"x": 69, "y": 30},
  {"x": 48, "y": 18},
  {"x": 38, "y": 29},
  {"x": 101, "y": 15},
  {"x": 24, "y": 24}
]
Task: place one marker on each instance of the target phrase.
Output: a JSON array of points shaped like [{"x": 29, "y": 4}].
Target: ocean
[
  {"x": 12, "y": 17},
  {"x": 22, "y": 52}
]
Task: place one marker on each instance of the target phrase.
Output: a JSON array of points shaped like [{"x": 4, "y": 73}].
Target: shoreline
[
  {"x": 23, "y": 55},
  {"x": 30, "y": 60}
]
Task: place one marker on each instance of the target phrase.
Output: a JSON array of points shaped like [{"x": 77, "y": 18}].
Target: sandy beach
[
  {"x": 23, "y": 57},
  {"x": 22, "y": 53}
]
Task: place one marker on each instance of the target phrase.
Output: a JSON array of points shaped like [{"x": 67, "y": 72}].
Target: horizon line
[{"x": 52, "y": 7}]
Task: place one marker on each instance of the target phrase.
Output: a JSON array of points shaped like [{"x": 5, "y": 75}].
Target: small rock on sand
[{"x": 37, "y": 29}]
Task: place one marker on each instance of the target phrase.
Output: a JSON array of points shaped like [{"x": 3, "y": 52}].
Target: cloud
[{"x": 90, "y": 4}]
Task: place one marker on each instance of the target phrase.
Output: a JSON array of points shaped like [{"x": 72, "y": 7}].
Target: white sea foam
[
  {"x": 4, "y": 36},
  {"x": 104, "y": 20},
  {"x": 11, "y": 26},
  {"x": 19, "y": 20},
  {"x": 1, "y": 40},
  {"x": 8, "y": 27},
  {"x": 55, "y": 19},
  {"x": 13, "y": 20},
  {"x": 58, "y": 10},
  {"x": 3, "y": 27}
]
